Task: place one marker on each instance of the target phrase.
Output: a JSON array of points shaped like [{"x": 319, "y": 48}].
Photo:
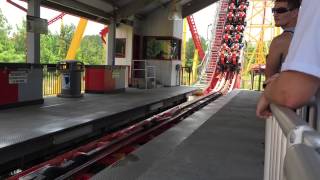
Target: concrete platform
[
  {"x": 223, "y": 141},
  {"x": 27, "y": 133}
]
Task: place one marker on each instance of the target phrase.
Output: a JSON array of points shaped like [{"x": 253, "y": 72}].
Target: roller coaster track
[
  {"x": 195, "y": 36},
  {"x": 211, "y": 77},
  {"x": 105, "y": 151}
]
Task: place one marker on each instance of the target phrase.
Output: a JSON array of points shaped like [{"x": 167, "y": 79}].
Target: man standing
[
  {"x": 300, "y": 77},
  {"x": 285, "y": 14}
]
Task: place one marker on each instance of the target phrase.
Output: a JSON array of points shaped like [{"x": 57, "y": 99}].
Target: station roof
[{"x": 104, "y": 10}]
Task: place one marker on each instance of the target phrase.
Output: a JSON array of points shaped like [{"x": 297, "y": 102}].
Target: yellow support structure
[
  {"x": 184, "y": 43},
  {"x": 259, "y": 32},
  {"x": 75, "y": 43},
  {"x": 183, "y": 54},
  {"x": 195, "y": 66}
]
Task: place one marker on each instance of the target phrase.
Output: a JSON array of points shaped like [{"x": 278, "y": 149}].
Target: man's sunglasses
[{"x": 280, "y": 10}]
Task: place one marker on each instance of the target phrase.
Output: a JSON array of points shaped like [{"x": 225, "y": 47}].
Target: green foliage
[
  {"x": 19, "y": 39},
  {"x": 8, "y": 52},
  {"x": 53, "y": 46},
  {"x": 190, "y": 48},
  {"x": 91, "y": 50},
  {"x": 190, "y": 51},
  {"x": 4, "y": 28}
]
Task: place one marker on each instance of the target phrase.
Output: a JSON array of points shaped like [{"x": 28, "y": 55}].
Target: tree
[
  {"x": 66, "y": 35},
  {"x": 7, "y": 49},
  {"x": 49, "y": 53},
  {"x": 19, "y": 41},
  {"x": 91, "y": 50},
  {"x": 54, "y": 46},
  {"x": 191, "y": 48},
  {"x": 4, "y": 28}
]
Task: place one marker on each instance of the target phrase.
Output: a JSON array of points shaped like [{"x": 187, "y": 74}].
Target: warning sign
[
  {"x": 18, "y": 77},
  {"x": 66, "y": 81},
  {"x": 115, "y": 73}
]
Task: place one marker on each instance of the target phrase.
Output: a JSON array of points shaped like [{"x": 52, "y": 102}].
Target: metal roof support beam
[
  {"x": 32, "y": 90},
  {"x": 78, "y": 8},
  {"x": 132, "y": 8},
  {"x": 194, "y": 6},
  {"x": 111, "y": 44},
  {"x": 33, "y": 39}
]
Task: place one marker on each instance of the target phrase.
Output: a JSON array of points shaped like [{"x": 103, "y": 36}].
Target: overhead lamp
[{"x": 174, "y": 11}]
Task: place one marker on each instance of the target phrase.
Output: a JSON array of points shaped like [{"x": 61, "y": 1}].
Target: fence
[
  {"x": 185, "y": 76},
  {"x": 52, "y": 80},
  {"x": 292, "y": 144},
  {"x": 256, "y": 84}
]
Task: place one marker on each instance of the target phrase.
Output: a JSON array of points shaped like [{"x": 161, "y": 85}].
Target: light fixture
[{"x": 174, "y": 11}]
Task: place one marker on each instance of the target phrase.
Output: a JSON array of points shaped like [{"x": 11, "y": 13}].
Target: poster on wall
[
  {"x": 37, "y": 25},
  {"x": 18, "y": 77}
]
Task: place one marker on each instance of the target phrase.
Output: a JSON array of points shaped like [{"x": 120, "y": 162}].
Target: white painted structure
[
  {"x": 158, "y": 24},
  {"x": 155, "y": 24}
]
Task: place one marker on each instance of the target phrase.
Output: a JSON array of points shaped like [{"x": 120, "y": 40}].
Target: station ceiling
[{"x": 104, "y": 10}]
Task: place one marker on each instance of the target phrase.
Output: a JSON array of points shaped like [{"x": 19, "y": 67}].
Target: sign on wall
[
  {"x": 37, "y": 25},
  {"x": 66, "y": 81},
  {"x": 18, "y": 77},
  {"x": 115, "y": 73}
]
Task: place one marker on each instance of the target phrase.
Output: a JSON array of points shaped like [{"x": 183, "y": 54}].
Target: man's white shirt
[{"x": 304, "y": 51}]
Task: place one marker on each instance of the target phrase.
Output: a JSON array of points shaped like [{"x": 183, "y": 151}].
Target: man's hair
[{"x": 292, "y": 4}]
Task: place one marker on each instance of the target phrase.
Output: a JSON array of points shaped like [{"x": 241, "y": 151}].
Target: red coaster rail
[{"x": 195, "y": 36}]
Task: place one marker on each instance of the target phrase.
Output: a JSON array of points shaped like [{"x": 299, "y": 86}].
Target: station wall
[{"x": 158, "y": 24}]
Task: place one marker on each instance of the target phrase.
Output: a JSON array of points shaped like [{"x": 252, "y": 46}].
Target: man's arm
[
  {"x": 274, "y": 58},
  {"x": 292, "y": 89}
]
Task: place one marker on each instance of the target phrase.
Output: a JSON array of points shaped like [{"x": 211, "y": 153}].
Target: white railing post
[
  {"x": 292, "y": 146},
  {"x": 267, "y": 156}
]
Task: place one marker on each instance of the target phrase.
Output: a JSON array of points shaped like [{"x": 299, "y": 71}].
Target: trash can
[{"x": 71, "y": 78}]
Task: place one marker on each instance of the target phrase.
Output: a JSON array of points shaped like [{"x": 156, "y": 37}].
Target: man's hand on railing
[{"x": 263, "y": 109}]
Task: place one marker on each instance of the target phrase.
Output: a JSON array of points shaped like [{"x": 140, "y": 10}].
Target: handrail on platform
[{"x": 292, "y": 145}]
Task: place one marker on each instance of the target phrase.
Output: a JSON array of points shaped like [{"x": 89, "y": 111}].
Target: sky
[{"x": 203, "y": 18}]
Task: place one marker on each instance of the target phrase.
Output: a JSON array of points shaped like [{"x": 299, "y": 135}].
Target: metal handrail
[
  {"x": 292, "y": 147},
  {"x": 288, "y": 119},
  {"x": 148, "y": 72},
  {"x": 302, "y": 163}
]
